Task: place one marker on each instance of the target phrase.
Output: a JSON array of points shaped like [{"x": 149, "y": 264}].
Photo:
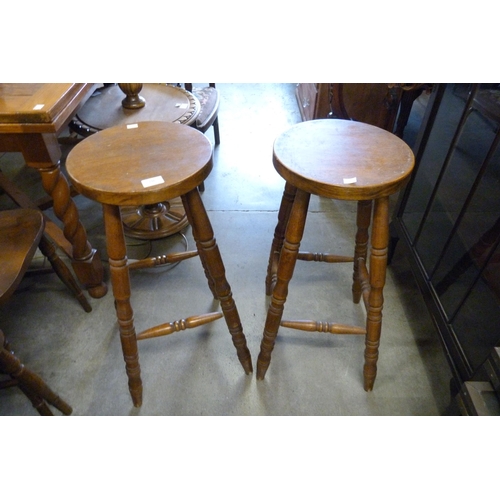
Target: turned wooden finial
[{"x": 132, "y": 100}]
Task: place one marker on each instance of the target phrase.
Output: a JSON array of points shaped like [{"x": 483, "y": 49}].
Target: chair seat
[{"x": 20, "y": 233}]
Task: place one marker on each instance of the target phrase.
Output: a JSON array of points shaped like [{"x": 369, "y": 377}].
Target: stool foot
[
  {"x": 370, "y": 366},
  {"x": 263, "y": 362}
]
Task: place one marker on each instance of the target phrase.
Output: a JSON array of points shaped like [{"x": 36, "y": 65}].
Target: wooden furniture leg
[
  {"x": 29, "y": 382},
  {"x": 279, "y": 235},
  {"x": 49, "y": 251},
  {"x": 378, "y": 267},
  {"x": 44, "y": 154},
  {"x": 46, "y": 247},
  {"x": 120, "y": 279},
  {"x": 212, "y": 261},
  {"x": 286, "y": 266},
  {"x": 363, "y": 219},
  {"x": 201, "y": 254}
]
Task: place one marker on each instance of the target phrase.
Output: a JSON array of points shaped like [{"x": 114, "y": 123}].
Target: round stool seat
[
  {"x": 140, "y": 164},
  {"x": 342, "y": 159}
]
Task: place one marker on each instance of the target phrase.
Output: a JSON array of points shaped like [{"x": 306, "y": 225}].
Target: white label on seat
[
  {"x": 153, "y": 181},
  {"x": 38, "y": 107},
  {"x": 350, "y": 180},
  {"x": 133, "y": 125}
]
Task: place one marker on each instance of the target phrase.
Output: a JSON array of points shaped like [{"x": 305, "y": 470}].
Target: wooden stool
[
  {"x": 143, "y": 164},
  {"x": 344, "y": 160}
]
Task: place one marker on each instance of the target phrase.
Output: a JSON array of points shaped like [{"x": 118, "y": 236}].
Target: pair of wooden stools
[{"x": 149, "y": 162}]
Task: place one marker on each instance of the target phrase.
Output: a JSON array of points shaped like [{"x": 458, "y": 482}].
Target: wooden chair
[
  {"x": 21, "y": 231},
  {"x": 209, "y": 108},
  {"x": 373, "y": 103},
  {"x": 343, "y": 160},
  {"x": 162, "y": 161},
  {"x": 46, "y": 246}
]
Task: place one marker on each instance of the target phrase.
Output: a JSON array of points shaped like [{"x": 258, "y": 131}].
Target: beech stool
[
  {"x": 344, "y": 160},
  {"x": 146, "y": 163}
]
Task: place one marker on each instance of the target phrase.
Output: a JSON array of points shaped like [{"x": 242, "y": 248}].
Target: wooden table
[
  {"x": 31, "y": 117},
  {"x": 158, "y": 102}
]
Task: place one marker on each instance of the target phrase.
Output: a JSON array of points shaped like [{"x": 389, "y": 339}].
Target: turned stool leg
[
  {"x": 212, "y": 262},
  {"x": 363, "y": 219},
  {"x": 279, "y": 235},
  {"x": 378, "y": 267},
  {"x": 120, "y": 279},
  {"x": 210, "y": 280},
  {"x": 286, "y": 266}
]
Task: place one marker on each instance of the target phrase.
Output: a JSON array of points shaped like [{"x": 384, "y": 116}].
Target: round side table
[{"x": 158, "y": 102}]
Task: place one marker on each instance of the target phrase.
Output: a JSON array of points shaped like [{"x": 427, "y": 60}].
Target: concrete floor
[{"x": 196, "y": 372}]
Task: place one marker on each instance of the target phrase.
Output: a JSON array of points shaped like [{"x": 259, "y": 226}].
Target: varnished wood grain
[
  {"x": 21, "y": 231},
  {"x": 33, "y": 132},
  {"x": 124, "y": 157},
  {"x": 318, "y": 156},
  {"x": 19, "y": 102}
]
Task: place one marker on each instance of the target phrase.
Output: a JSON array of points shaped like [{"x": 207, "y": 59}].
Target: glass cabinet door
[{"x": 452, "y": 216}]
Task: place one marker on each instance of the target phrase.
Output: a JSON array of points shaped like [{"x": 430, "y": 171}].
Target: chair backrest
[
  {"x": 20, "y": 233},
  {"x": 373, "y": 103}
]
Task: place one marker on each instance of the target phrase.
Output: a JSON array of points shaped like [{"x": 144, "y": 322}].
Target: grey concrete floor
[{"x": 196, "y": 372}]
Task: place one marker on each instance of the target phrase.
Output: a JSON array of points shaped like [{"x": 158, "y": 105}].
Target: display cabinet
[{"x": 448, "y": 222}]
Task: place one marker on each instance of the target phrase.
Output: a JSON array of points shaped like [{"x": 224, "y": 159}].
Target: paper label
[
  {"x": 153, "y": 181},
  {"x": 350, "y": 180}
]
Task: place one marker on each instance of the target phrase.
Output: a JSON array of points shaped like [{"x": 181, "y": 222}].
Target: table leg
[
  {"x": 286, "y": 266},
  {"x": 42, "y": 151},
  {"x": 120, "y": 281}
]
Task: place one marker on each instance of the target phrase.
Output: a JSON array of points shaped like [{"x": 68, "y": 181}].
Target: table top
[
  {"x": 40, "y": 107},
  {"x": 163, "y": 103}
]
